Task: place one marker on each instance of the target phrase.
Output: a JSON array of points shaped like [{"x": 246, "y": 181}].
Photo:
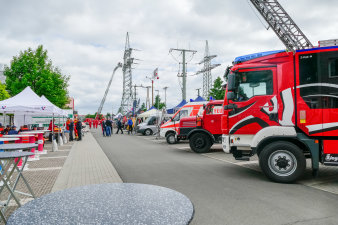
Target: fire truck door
[
  {"x": 212, "y": 119},
  {"x": 329, "y": 74},
  {"x": 255, "y": 88}
]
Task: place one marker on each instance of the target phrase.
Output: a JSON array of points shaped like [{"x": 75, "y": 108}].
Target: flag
[{"x": 155, "y": 75}]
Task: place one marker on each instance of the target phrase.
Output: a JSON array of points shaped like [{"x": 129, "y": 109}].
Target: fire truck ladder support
[
  {"x": 107, "y": 90},
  {"x": 282, "y": 24}
]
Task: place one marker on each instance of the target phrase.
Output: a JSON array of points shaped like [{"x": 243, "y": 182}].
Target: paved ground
[
  {"x": 223, "y": 191},
  {"x": 41, "y": 175},
  {"x": 86, "y": 164},
  {"x": 74, "y": 164}
]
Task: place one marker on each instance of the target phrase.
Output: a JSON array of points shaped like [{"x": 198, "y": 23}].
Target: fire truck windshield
[{"x": 253, "y": 83}]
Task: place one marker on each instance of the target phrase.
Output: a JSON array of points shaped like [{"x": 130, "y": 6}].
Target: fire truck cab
[
  {"x": 203, "y": 131},
  {"x": 283, "y": 106}
]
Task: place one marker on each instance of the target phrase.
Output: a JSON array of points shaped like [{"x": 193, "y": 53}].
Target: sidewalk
[{"x": 86, "y": 164}]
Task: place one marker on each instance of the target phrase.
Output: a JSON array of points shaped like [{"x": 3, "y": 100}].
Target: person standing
[
  {"x": 103, "y": 126},
  {"x": 119, "y": 126},
  {"x": 90, "y": 123},
  {"x": 130, "y": 126},
  {"x": 71, "y": 129},
  {"x": 79, "y": 130},
  {"x": 108, "y": 127}
]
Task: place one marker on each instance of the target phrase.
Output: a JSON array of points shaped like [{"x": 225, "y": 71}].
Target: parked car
[{"x": 149, "y": 126}]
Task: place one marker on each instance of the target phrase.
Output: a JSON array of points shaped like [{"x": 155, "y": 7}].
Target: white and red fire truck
[{"x": 283, "y": 106}]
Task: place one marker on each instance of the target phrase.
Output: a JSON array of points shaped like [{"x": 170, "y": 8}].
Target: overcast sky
[{"x": 86, "y": 39}]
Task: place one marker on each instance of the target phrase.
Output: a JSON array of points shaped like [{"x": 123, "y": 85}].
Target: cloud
[{"x": 86, "y": 39}]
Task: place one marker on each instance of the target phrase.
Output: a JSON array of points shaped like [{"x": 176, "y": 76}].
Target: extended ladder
[
  {"x": 107, "y": 89},
  {"x": 282, "y": 24}
]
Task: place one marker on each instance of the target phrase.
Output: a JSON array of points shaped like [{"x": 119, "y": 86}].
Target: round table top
[
  {"x": 8, "y": 139},
  {"x": 17, "y": 146},
  {"x": 115, "y": 203},
  {"x": 18, "y": 135},
  {"x": 9, "y": 155}
]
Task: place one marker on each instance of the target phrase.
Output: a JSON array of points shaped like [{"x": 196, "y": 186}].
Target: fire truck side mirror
[
  {"x": 231, "y": 95},
  {"x": 231, "y": 82}
]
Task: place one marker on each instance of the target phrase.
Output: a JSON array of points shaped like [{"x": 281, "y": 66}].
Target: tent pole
[{"x": 4, "y": 119}]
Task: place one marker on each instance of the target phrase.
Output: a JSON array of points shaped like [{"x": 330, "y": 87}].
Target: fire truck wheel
[
  {"x": 171, "y": 139},
  {"x": 200, "y": 143},
  {"x": 148, "y": 132},
  {"x": 282, "y": 162}
]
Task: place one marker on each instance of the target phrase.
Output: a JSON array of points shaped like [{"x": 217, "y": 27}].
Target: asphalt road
[{"x": 222, "y": 193}]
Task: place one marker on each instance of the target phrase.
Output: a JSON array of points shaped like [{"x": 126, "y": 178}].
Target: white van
[{"x": 169, "y": 129}]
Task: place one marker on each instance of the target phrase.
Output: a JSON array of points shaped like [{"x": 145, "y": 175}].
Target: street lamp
[
  {"x": 158, "y": 103},
  {"x": 165, "y": 96}
]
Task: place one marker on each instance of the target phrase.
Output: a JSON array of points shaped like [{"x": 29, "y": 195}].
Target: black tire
[
  {"x": 282, "y": 162},
  {"x": 200, "y": 143},
  {"x": 148, "y": 132},
  {"x": 171, "y": 139}
]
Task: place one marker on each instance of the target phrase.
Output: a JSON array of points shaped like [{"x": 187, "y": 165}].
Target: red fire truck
[
  {"x": 203, "y": 131},
  {"x": 283, "y": 106}
]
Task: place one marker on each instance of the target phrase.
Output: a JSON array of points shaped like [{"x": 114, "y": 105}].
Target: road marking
[
  {"x": 43, "y": 169},
  {"x": 227, "y": 161},
  {"x": 247, "y": 162},
  {"x": 53, "y": 157}
]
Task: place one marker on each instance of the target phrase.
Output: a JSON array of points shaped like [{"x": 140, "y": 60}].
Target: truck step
[{"x": 243, "y": 158}]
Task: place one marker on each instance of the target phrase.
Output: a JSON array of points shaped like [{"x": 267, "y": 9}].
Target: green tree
[
  {"x": 108, "y": 115},
  {"x": 33, "y": 68},
  {"x": 143, "y": 107},
  {"x": 3, "y": 93},
  {"x": 90, "y": 116},
  {"x": 158, "y": 104},
  {"x": 217, "y": 91}
]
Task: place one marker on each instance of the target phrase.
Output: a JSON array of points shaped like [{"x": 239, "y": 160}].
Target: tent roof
[
  {"x": 153, "y": 107},
  {"x": 150, "y": 112},
  {"x": 54, "y": 108},
  {"x": 199, "y": 99},
  {"x": 172, "y": 110},
  {"x": 27, "y": 101}
]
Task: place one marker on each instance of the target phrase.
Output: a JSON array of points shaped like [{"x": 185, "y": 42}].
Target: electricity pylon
[
  {"x": 207, "y": 77},
  {"x": 127, "y": 95}
]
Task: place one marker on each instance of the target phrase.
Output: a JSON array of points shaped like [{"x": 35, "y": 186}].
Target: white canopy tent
[
  {"x": 119, "y": 115},
  {"x": 28, "y": 103},
  {"x": 56, "y": 110},
  {"x": 151, "y": 112}
]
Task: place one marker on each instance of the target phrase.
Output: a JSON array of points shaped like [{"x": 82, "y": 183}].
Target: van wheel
[
  {"x": 148, "y": 132},
  {"x": 171, "y": 139},
  {"x": 282, "y": 162},
  {"x": 200, "y": 143}
]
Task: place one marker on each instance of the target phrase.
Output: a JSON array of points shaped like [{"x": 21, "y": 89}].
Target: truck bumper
[{"x": 226, "y": 143}]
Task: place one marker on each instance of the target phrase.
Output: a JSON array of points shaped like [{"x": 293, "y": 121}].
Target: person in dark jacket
[
  {"x": 103, "y": 125},
  {"x": 79, "y": 130},
  {"x": 119, "y": 126},
  {"x": 108, "y": 127},
  {"x": 13, "y": 131},
  {"x": 71, "y": 129}
]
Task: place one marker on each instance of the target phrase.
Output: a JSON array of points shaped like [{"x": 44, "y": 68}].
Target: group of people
[
  {"x": 74, "y": 127},
  {"x": 10, "y": 130},
  {"x": 93, "y": 123},
  {"x": 107, "y": 126}
]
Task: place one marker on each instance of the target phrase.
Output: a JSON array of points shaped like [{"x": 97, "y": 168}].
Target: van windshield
[{"x": 181, "y": 114}]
